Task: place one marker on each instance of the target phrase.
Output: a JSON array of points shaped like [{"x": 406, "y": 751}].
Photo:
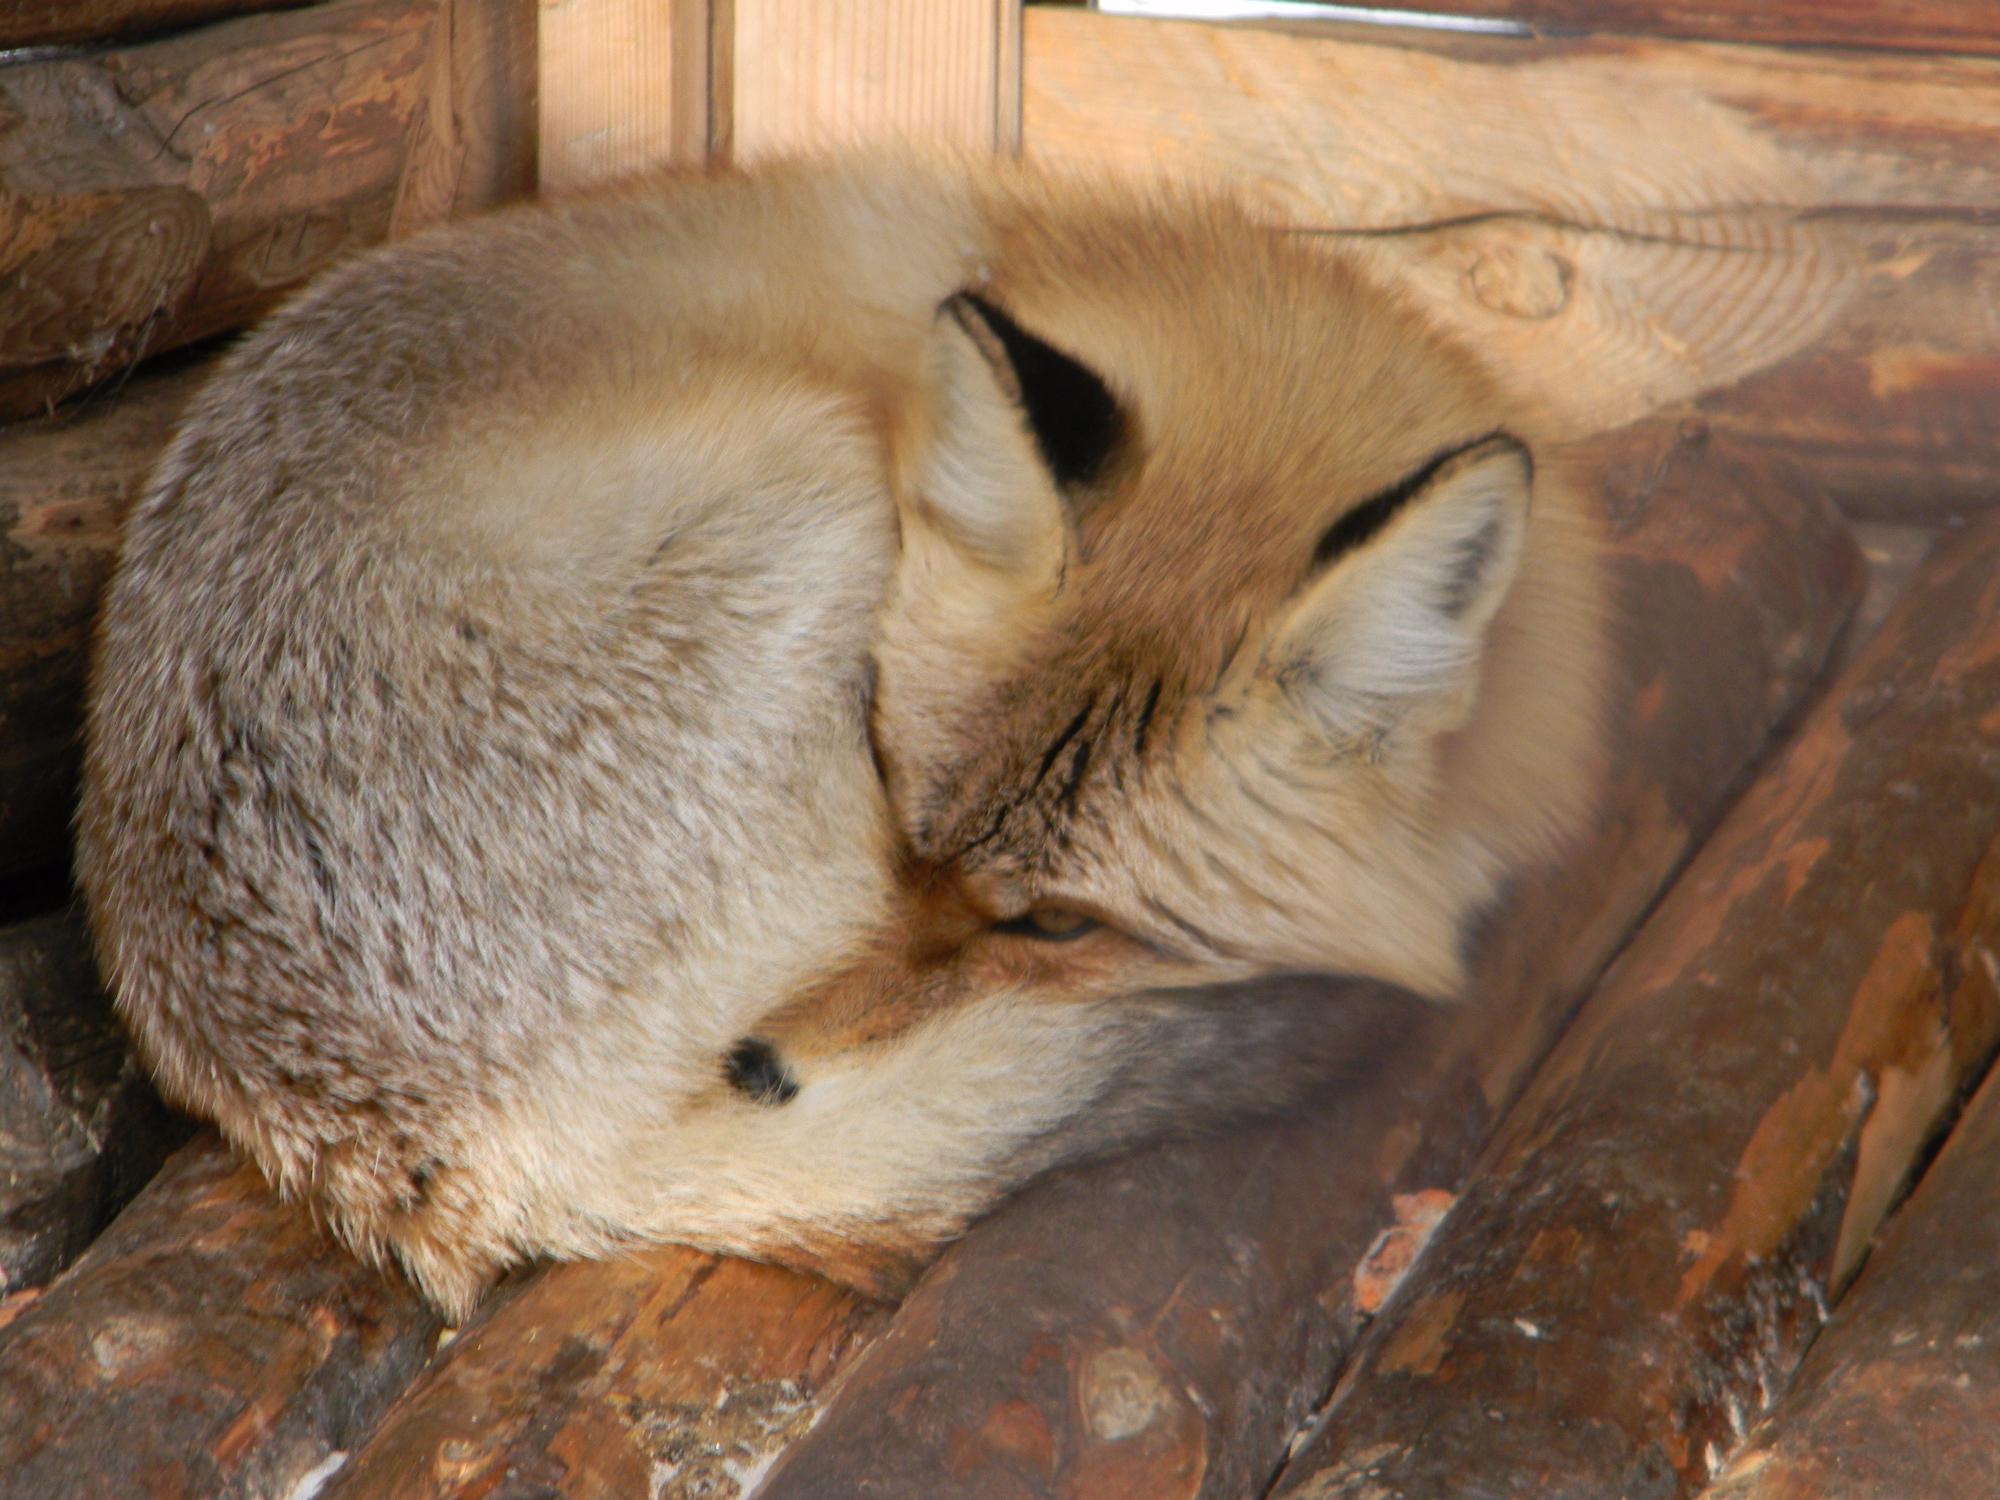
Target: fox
[{"x": 761, "y": 709}]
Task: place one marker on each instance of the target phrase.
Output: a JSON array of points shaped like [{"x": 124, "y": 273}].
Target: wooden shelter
[{"x": 1637, "y": 1222}]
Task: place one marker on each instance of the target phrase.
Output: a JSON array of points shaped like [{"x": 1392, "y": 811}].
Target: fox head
[{"x": 1235, "y": 632}]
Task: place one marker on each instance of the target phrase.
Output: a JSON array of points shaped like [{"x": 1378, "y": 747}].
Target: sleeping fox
[{"x": 756, "y": 710}]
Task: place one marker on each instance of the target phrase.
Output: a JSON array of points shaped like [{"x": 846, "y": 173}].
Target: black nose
[{"x": 754, "y": 1067}]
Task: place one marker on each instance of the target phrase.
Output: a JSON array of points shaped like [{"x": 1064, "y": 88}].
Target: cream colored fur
[{"x": 479, "y": 751}]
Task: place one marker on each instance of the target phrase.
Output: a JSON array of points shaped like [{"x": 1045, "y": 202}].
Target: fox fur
[{"x": 758, "y": 710}]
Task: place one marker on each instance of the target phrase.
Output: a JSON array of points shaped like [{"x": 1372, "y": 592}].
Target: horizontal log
[
  {"x": 80, "y": 1128},
  {"x": 1901, "y": 1394},
  {"x": 1161, "y": 1324},
  {"x": 666, "y": 1372},
  {"x": 37, "y": 23},
  {"x": 1906, "y": 25},
  {"x": 65, "y": 485},
  {"x": 211, "y": 1342},
  {"x": 1624, "y": 225},
  {"x": 1695, "y": 1173},
  {"x": 156, "y": 193}
]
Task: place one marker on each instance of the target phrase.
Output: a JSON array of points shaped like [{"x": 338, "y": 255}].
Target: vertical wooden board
[
  {"x": 493, "y": 98},
  {"x": 211, "y": 1342},
  {"x": 813, "y": 74},
  {"x": 1900, "y": 1396},
  {"x": 605, "y": 97},
  {"x": 1160, "y": 1325},
  {"x": 664, "y": 1372},
  {"x": 1692, "y": 1177}
]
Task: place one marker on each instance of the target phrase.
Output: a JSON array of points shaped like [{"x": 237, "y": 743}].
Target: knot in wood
[
  {"x": 1521, "y": 281},
  {"x": 1123, "y": 1393}
]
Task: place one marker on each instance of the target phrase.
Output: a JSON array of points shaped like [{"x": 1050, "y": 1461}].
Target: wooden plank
[
  {"x": 1901, "y": 1394},
  {"x": 1160, "y": 1324},
  {"x": 809, "y": 74},
  {"x": 211, "y": 1342},
  {"x": 65, "y": 484},
  {"x": 666, "y": 1372},
  {"x": 36, "y": 23},
  {"x": 608, "y": 85},
  {"x": 80, "y": 1128},
  {"x": 1909, "y": 25},
  {"x": 157, "y": 193},
  {"x": 1623, "y": 225},
  {"x": 1695, "y": 1174}
]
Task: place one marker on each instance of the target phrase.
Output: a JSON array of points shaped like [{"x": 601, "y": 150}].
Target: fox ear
[
  {"x": 1014, "y": 422},
  {"x": 1391, "y": 633}
]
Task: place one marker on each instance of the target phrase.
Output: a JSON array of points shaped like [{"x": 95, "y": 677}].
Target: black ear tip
[{"x": 1075, "y": 419}]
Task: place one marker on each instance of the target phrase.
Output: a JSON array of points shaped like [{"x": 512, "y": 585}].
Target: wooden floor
[{"x": 1696, "y": 1197}]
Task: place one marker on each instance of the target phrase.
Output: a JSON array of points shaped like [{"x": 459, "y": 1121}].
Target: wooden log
[
  {"x": 40, "y": 23},
  {"x": 1901, "y": 1394},
  {"x": 1161, "y": 1324},
  {"x": 1622, "y": 225},
  {"x": 1908, "y": 25},
  {"x": 666, "y": 1372},
  {"x": 1696, "y": 1172},
  {"x": 212, "y": 1342},
  {"x": 65, "y": 485},
  {"x": 80, "y": 1128},
  {"x": 156, "y": 193}
]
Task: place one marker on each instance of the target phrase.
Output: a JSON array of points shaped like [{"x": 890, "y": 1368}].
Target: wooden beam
[
  {"x": 155, "y": 194},
  {"x": 80, "y": 1128},
  {"x": 211, "y": 1342},
  {"x": 1695, "y": 1174},
  {"x": 41, "y": 23},
  {"x": 1901, "y": 1394},
  {"x": 1905, "y": 25},
  {"x": 1803, "y": 241},
  {"x": 1159, "y": 1324}
]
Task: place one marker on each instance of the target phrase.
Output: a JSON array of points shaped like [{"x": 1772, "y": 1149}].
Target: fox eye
[{"x": 1049, "y": 924}]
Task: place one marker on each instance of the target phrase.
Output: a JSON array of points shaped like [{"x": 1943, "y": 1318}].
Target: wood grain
[
  {"x": 1694, "y": 1175},
  {"x": 1620, "y": 225},
  {"x": 211, "y": 1342},
  {"x": 80, "y": 1128},
  {"x": 65, "y": 485},
  {"x": 1901, "y": 1394},
  {"x": 1160, "y": 1325},
  {"x": 665, "y": 1373},
  {"x": 607, "y": 88},
  {"x": 1910, "y": 25},
  {"x": 157, "y": 193},
  {"x": 809, "y": 74}
]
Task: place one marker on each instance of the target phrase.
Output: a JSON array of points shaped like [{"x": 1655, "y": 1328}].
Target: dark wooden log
[
  {"x": 65, "y": 485},
  {"x": 211, "y": 1342},
  {"x": 1900, "y": 1396},
  {"x": 666, "y": 1373},
  {"x": 157, "y": 193},
  {"x": 80, "y": 1128},
  {"x": 1907, "y": 25},
  {"x": 1161, "y": 1325},
  {"x": 1697, "y": 1170},
  {"x": 35, "y": 23}
]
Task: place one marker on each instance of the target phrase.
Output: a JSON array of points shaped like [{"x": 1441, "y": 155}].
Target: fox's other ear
[
  {"x": 1014, "y": 422},
  {"x": 1390, "y": 633}
]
